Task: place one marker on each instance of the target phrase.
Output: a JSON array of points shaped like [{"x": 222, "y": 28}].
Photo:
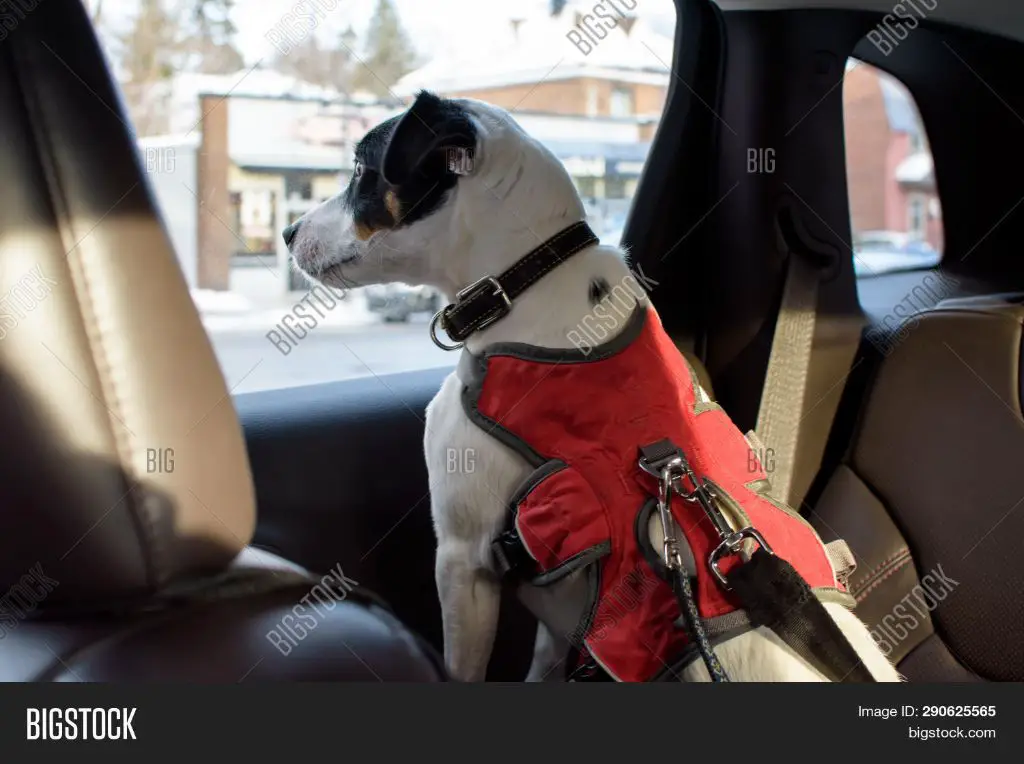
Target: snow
[
  {"x": 211, "y": 301},
  {"x": 177, "y": 140},
  {"x": 916, "y": 168},
  {"x": 227, "y": 311},
  {"x": 496, "y": 54},
  {"x": 255, "y": 82}
]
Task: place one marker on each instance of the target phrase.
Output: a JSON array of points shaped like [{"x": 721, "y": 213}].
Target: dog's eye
[{"x": 357, "y": 171}]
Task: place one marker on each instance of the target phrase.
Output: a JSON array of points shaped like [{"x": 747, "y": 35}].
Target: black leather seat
[
  {"x": 930, "y": 495},
  {"x": 126, "y": 501}
]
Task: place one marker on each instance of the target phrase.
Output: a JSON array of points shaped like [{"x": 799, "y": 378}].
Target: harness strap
[{"x": 776, "y": 596}]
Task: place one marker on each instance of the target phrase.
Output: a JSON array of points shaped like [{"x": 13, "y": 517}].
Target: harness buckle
[
  {"x": 730, "y": 545},
  {"x": 509, "y": 555}
]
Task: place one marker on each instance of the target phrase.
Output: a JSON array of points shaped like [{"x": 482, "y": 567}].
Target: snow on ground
[
  {"x": 226, "y": 311},
  {"x": 212, "y": 301}
]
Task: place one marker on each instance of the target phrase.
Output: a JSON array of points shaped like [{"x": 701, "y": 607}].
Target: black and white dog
[{"x": 406, "y": 216}]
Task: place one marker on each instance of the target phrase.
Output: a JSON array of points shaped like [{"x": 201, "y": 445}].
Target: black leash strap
[
  {"x": 490, "y": 299},
  {"x": 776, "y": 596},
  {"x": 695, "y": 625}
]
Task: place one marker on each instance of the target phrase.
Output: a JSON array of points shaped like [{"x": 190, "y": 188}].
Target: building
[
  {"x": 888, "y": 164},
  {"x": 252, "y": 151},
  {"x": 266, "y": 148},
  {"x": 593, "y": 95},
  {"x": 556, "y": 66}
]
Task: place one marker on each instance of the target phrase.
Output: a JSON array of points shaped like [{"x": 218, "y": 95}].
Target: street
[{"x": 328, "y": 353}]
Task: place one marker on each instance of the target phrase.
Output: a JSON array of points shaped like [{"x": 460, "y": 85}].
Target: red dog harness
[{"x": 581, "y": 417}]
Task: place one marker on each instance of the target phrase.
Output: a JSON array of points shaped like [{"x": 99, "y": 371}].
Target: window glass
[
  {"x": 895, "y": 212},
  {"x": 247, "y": 113}
]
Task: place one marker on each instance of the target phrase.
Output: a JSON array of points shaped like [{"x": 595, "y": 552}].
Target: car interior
[{"x": 908, "y": 448}]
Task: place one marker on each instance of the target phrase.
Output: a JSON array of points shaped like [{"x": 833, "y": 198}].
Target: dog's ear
[{"x": 433, "y": 137}]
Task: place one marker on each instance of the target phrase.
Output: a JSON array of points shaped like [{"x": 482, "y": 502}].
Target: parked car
[
  {"x": 878, "y": 252},
  {"x": 396, "y": 302}
]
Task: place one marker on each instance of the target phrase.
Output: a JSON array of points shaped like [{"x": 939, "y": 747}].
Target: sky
[{"x": 432, "y": 25}]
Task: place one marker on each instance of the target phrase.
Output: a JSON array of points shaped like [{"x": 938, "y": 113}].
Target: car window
[
  {"x": 247, "y": 112},
  {"x": 895, "y": 212}
]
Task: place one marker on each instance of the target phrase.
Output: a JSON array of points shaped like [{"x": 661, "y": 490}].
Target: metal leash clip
[
  {"x": 667, "y": 472},
  {"x": 675, "y": 473}
]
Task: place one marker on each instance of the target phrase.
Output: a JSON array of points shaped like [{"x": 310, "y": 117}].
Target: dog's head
[{"x": 448, "y": 191}]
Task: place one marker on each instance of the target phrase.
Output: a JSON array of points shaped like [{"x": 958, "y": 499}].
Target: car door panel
[{"x": 341, "y": 481}]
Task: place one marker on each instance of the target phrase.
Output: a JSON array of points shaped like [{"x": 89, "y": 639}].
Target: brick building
[{"x": 888, "y": 164}]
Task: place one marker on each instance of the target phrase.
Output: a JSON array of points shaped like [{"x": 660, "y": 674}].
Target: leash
[
  {"x": 772, "y": 592},
  {"x": 776, "y": 596},
  {"x": 668, "y": 464},
  {"x": 490, "y": 299}
]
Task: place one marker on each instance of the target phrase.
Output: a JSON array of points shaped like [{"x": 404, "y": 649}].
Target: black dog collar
[{"x": 490, "y": 299}]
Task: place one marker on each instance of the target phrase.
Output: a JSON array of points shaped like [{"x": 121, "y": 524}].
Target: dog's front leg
[{"x": 470, "y": 599}]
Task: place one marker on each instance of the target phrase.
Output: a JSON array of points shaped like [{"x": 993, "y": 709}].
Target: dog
[{"x": 448, "y": 193}]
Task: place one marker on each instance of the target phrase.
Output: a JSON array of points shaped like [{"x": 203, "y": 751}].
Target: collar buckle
[
  {"x": 483, "y": 289},
  {"x": 478, "y": 290},
  {"x": 490, "y": 299}
]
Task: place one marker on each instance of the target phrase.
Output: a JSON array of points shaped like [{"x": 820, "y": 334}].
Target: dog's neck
[
  {"x": 557, "y": 310},
  {"x": 521, "y": 198},
  {"x": 493, "y": 254}
]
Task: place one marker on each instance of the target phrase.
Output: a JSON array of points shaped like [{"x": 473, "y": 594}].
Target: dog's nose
[{"x": 289, "y": 232}]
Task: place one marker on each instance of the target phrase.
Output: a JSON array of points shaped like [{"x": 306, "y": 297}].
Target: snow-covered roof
[
  {"x": 916, "y": 169},
  {"x": 296, "y": 158},
  {"x": 256, "y": 82},
  {"x": 499, "y": 54},
  {"x": 170, "y": 141}
]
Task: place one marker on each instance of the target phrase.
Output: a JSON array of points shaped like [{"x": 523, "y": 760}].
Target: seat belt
[{"x": 797, "y": 406}]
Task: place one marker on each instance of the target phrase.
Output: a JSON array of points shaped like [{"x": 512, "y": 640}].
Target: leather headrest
[{"x": 122, "y": 464}]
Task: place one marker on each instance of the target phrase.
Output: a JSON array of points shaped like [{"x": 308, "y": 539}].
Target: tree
[
  {"x": 209, "y": 38},
  {"x": 343, "y": 61},
  {"x": 330, "y": 66},
  {"x": 389, "y": 54},
  {"x": 148, "y": 52}
]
